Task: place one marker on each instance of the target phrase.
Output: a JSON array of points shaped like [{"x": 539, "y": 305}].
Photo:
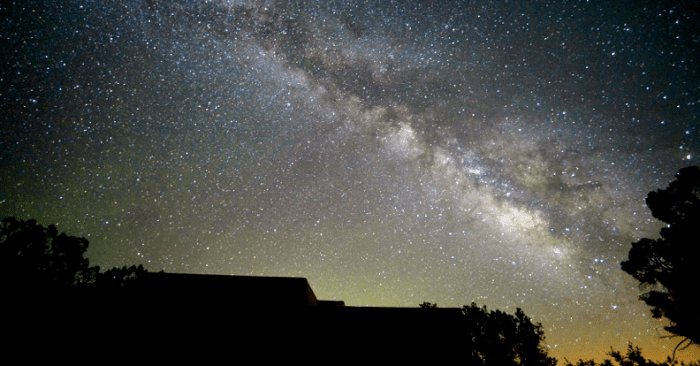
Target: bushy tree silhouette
[
  {"x": 497, "y": 338},
  {"x": 667, "y": 266},
  {"x": 34, "y": 256}
]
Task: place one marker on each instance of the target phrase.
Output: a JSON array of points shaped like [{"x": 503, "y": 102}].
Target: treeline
[
  {"x": 498, "y": 338},
  {"x": 33, "y": 256},
  {"x": 36, "y": 257}
]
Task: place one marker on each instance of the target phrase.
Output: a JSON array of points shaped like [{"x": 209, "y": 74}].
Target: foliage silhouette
[
  {"x": 34, "y": 256},
  {"x": 122, "y": 277},
  {"x": 632, "y": 358},
  {"x": 668, "y": 266},
  {"x": 497, "y": 338}
]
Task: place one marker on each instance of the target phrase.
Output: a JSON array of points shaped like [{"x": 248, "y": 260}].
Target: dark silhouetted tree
[
  {"x": 497, "y": 338},
  {"x": 34, "y": 256},
  {"x": 668, "y": 266}
]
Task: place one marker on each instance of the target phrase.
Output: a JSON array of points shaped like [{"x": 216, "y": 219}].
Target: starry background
[{"x": 391, "y": 152}]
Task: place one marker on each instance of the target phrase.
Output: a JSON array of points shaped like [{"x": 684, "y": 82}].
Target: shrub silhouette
[{"x": 633, "y": 357}]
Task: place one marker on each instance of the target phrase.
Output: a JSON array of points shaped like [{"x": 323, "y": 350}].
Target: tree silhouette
[
  {"x": 34, "y": 256},
  {"x": 122, "y": 277},
  {"x": 497, "y": 338},
  {"x": 668, "y": 266}
]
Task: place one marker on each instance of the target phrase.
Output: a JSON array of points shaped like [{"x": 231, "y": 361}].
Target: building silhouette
[{"x": 274, "y": 318}]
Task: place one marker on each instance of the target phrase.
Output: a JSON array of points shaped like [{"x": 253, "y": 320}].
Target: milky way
[{"x": 390, "y": 152}]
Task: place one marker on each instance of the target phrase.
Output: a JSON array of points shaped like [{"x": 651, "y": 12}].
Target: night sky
[{"x": 391, "y": 152}]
